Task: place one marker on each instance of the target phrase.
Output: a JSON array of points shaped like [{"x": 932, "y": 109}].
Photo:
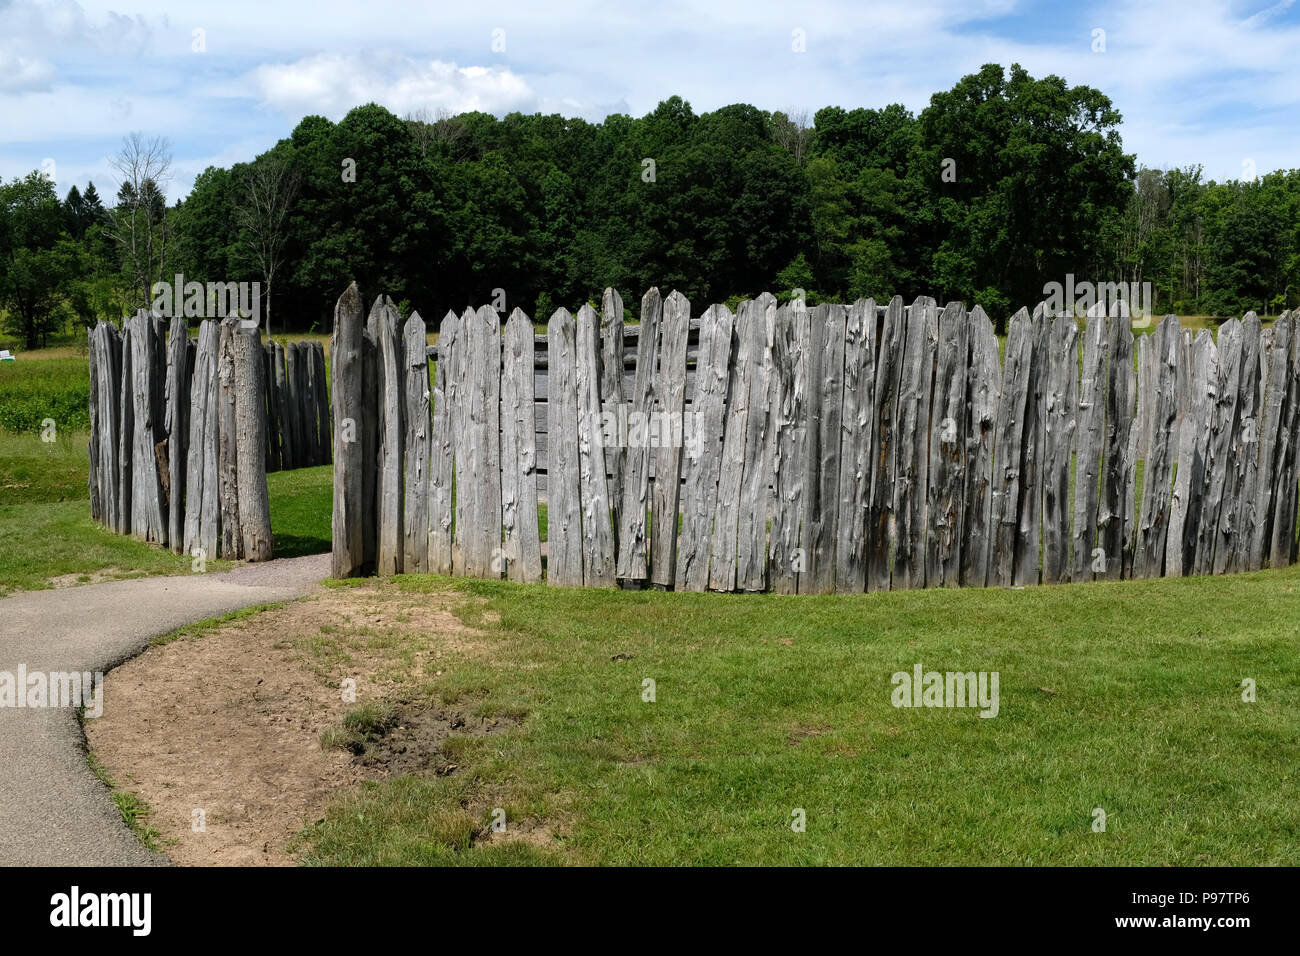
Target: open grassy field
[{"x": 1121, "y": 696}]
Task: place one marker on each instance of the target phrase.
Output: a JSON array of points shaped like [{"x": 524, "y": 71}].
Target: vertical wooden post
[
  {"x": 914, "y": 396},
  {"x": 667, "y": 433},
  {"x": 350, "y": 464},
  {"x": 633, "y": 558},
  {"x": 442, "y": 449},
  {"x": 563, "y": 484},
  {"x": 250, "y": 431},
  {"x": 882, "y": 536},
  {"x": 202, "y": 501},
  {"x": 178, "y": 430},
  {"x": 949, "y": 443},
  {"x": 1089, "y": 440},
  {"x": 1060, "y": 407},
  {"x": 983, "y": 388},
  {"x": 597, "y": 533},
  {"x": 519, "y": 521},
  {"x": 858, "y": 429},
  {"x": 822, "y": 474},
  {"x": 392, "y": 433},
  {"x": 703, "y": 463},
  {"x": 1013, "y": 418},
  {"x": 415, "y": 508}
]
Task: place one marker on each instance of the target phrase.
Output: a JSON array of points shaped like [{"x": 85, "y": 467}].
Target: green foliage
[
  {"x": 999, "y": 186},
  {"x": 31, "y": 392}
]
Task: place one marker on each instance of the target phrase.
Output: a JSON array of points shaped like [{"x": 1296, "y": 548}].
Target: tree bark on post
[
  {"x": 250, "y": 440},
  {"x": 349, "y": 518}
]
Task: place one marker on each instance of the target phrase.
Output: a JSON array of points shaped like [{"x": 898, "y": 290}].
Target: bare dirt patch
[{"x": 230, "y": 723}]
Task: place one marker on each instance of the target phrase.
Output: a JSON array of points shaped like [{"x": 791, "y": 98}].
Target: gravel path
[{"x": 53, "y": 810}]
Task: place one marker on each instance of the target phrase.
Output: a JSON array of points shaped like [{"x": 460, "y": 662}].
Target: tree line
[{"x": 1000, "y": 185}]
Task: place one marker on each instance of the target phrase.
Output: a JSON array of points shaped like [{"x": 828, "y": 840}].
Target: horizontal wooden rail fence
[
  {"x": 843, "y": 448},
  {"x": 184, "y": 431}
]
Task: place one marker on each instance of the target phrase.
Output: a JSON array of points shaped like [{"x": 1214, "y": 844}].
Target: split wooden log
[
  {"x": 415, "y": 446},
  {"x": 202, "y": 499},
  {"x": 250, "y": 432},
  {"x": 703, "y": 462},
  {"x": 1029, "y": 540},
  {"x": 1060, "y": 410},
  {"x": 1116, "y": 515},
  {"x": 442, "y": 448},
  {"x": 593, "y": 487},
  {"x": 178, "y": 430},
  {"x": 1089, "y": 445},
  {"x": 1013, "y": 409},
  {"x": 232, "y": 533},
  {"x": 390, "y": 542},
  {"x": 983, "y": 388},
  {"x": 858, "y": 428},
  {"x": 1153, "y": 528},
  {"x": 632, "y": 548},
  {"x": 347, "y": 368},
  {"x": 612, "y": 392},
  {"x": 914, "y": 397},
  {"x": 667, "y": 435},
  {"x": 948, "y": 441},
  {"x": 523, "y": 554},
  {"x": 821, "y": 482},
  {"x": 563, "y": 482},
  {"x": 882, "y": 534}
]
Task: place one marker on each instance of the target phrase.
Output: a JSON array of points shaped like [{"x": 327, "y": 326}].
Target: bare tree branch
[{"x": 270, "y": 189}]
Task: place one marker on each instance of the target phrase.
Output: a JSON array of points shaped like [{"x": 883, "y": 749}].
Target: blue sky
[{"x": 1198, "y": 81}]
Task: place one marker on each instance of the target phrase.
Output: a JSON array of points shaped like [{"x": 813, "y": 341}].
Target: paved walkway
[{"x": 53, "y": 810}]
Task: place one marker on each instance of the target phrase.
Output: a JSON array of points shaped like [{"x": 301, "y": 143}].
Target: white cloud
[
  {"x": 333, "y": 83},
  {"x": 19, "y": 72}
]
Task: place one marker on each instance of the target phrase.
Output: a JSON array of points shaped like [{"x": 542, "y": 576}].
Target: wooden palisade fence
[
  {"x": 834, "y": 449},
  {"x": 184, "y": 431}
]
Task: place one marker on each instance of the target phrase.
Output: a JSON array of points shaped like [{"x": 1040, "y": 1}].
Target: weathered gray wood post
[
  {"x": 1116, "y": 513},
  {"x": 612, "y": 395},
  {"x": 855, "y": 447},
  {"x": 1245, "y": 470},
  {"x": 1212, "y": 547},
  {"x": 791, "y": 340},
  {"x": 914, "y": 396},
  {"x": 442, "y": 448},
  {"x": 178, "y": 430},
  {"x": 349, "y": 558},
  {"x": 882, "y": 535},
  {"x": 232, "y": 532},
  {"x": 202, "y": 499},
  {"x": 322, "y": 404},
  {"x": 522, "y": 544},
  {"x": 392, "y": 433},
  {"x": 148, "y": 500},
  {"x": 1060, "y": 408},
  {"x": 983, "y": 388},
  {"x": 1013, "y": 411},
  {"x": 1029, "y": 531},
  {"x": 1089, "y": 442},
  {"x": 949, "y": 443},
  {"x": 415, "y": 508},
  {"x": 250, "y": 439},
  {"x": 756, "y": 504},
  {"x": 563, "y": 484},
  {"x": 703, "y": 463},
  {"x": 593, "y": 485},
  {"x": 125, "y": 431},
  {"x": 633, "y": 565},
  {"x": 822, "y": 472},
  {"x": 667, "y": 433},
  {"x": 1284, "y": 543}
]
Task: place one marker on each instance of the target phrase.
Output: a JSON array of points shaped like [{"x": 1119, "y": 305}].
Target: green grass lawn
[
  {"x": 46, "y": 530},
  {"x": 1120, "y": 696}
]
